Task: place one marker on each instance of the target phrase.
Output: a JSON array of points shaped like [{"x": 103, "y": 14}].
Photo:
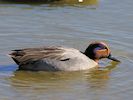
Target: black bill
[{"x": 112, "y": 58}]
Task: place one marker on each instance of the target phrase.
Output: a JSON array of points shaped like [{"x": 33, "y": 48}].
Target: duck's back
[{"x": 52, "y": 59}]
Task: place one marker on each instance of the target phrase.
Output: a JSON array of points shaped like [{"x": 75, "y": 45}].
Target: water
[{"x": 70, "y": 24}]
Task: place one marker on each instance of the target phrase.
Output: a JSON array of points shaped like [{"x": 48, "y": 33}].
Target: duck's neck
[
  {"x": 90, "y": 56},
  {"x": 96, "y": 60}
]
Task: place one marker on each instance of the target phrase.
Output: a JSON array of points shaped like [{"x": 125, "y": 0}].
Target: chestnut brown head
[{"x": 99, "y": 50}]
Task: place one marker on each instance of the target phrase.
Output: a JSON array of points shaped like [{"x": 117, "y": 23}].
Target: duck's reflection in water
[
  {"x": 99, "y": 79},
  {"x": 94, "y": 79}
]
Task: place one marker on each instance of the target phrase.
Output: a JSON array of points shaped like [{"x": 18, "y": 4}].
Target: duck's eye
[
  {"x": 105, "y": 48},
  {"x": 102, "y": 46}
]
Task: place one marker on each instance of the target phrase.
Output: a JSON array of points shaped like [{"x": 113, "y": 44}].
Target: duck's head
[{"x": 99, "y": 50}]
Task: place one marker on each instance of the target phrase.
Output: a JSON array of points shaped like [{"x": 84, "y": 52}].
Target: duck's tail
[{"x": 16, "y": 55}]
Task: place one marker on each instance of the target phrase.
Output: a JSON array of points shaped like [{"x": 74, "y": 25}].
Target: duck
[{"x": 59, "y": 58}]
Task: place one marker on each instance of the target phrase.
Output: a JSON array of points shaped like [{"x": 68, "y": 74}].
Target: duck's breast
[{"x": 70, "y": 61}]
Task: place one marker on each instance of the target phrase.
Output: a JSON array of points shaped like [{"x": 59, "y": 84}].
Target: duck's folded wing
[{"x": 29, "y": 55}]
